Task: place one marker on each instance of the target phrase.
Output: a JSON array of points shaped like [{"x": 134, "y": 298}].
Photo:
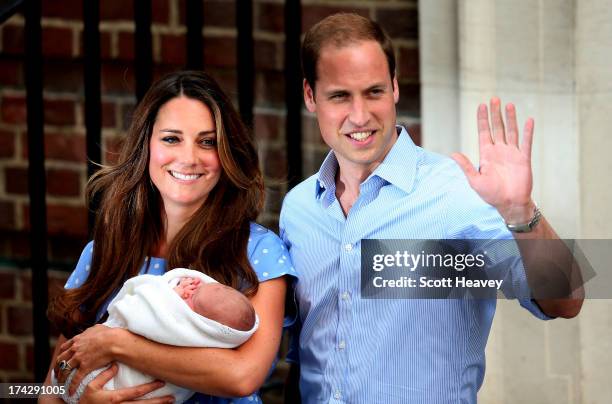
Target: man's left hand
[{"x": 504, "y": 179}]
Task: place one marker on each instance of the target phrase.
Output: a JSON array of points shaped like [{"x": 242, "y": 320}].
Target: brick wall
[{"x": 64, "y": 116}]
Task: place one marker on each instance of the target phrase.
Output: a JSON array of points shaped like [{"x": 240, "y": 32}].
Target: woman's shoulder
[
  {"x": 81, "y": 271},
  {"x": 268, "y": 255}
]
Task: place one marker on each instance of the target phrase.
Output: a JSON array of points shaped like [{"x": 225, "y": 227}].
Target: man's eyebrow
[{"x": 335, "y": 92}]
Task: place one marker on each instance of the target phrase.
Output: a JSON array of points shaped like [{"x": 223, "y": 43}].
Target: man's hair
[{"x": 340, "y": 30}]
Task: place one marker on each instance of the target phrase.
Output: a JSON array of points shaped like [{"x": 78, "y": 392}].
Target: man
[{"x": 376, "y": 184}]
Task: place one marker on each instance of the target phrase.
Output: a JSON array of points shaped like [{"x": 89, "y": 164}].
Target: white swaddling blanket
[{"x": 147, "y": 305}]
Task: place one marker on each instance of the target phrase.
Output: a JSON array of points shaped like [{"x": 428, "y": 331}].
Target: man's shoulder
[{"x": 302, "y": 193}]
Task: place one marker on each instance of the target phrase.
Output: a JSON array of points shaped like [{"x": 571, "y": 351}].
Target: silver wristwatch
[{"x": 526, "y": 227}]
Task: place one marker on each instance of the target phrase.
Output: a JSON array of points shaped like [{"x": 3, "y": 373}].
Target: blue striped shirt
[{"x": 387, "y": 350}]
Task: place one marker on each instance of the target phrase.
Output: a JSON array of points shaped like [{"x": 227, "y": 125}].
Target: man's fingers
[
  {"x": 105, "y": 376},
  {"x": 484, "y": 131},
  {"x": 499, "y": 133},
  {"x": 131, "y": 393},
  {"x": 512, "y": 133},
  {"x": 466, "y": 165},
  {"x": 528, "y": 137}
]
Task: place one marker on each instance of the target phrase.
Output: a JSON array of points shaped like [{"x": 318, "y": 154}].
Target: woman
[{"x": 184, "y": 193}]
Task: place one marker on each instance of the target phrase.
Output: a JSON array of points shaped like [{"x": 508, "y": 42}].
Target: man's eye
[
  {"x": 377, "y": 92},
  {"x": 170, "y": 139},
  {"x": 337, "y": 97}
]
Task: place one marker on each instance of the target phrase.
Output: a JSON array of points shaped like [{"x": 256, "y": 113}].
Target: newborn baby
[
  {"x": 182, "y": 308},
  {"x": 216, "y": 302}
]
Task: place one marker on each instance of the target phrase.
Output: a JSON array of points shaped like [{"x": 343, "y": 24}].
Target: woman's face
[{"x": 184, "y": 165}]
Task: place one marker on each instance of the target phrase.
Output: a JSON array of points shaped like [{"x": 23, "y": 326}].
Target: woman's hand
[
  {"x": 90, "y": 350},
  {"x": 95, "y": 393}
]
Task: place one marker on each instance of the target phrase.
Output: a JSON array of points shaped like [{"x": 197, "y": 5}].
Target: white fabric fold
[{"x": 147, "y": 305}]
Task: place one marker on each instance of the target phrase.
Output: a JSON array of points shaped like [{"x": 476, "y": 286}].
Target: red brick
[
  {"x": 54, "y": 286},
  {"x": 410, "y": 99},
  {"x": 19, "y": 320},
  {"x": 116, "y": 10},
  {"x": 63, "y": 220},
  {"x": 108, "y": 115},
  {"x": 7, "y": 216},
  {"x": 266, "y": 55},
  {"x": 65, "y": 249},
  {"x": 59, "y": 146},
  {"x": 66, "y": 9},
  {"x": 270, "y": 88},
  {"x": 125, "y": 46},
  {"x": 215, "y": 13},
  {"x": 399, "y": 23},
  {"x": 220, "y": 51},
  {"x": 268, "y": 126},
  {"x": 63, "y": 75},
  {"x": 14, "y": 109},
  {"x": 126, "y": 111},
  {"x": 9, "y": 356},
  {"x": 16, "y": 180},
  {"x": 173, "y": 49},
  {"x": 408, "y": 64},
  {"x": 57, "y": 41},
  {"x": 19, "y": 244},
  {"x": 59, "y": 112},
  {"x": 7, "y": 286},
  {"x": 275, "y": 166},
  {"x": 414, "y": 131},
  {"x": 30, "y": 357},
  {"x": 271, "y": 17},
  {"x": 313, "y": 14},
  {"x": 105, "y": 45},
  {"x": 219, "y": 13},
  {"x": 11, "y": 73},
  {"x": 7, "y": 143},
  {"x": 112, "y": 146},
  {"x": 160, "y": 11},
  {"x": 117, "y": 78},
  {"x": 12, "y": 39},
  {"x": 62, "y": 182},
  {"x": 310, "y": 131}
]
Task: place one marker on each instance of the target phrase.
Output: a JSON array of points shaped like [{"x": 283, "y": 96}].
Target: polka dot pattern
[{"x": 266, "y": 253}]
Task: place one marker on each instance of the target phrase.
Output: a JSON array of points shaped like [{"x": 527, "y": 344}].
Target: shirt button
[
  {"x": 341, "y": 345},
  {"x": 345, "y": 296},
  {"x": 337, "y": 395},
  {"x": 348, "y": 247}
]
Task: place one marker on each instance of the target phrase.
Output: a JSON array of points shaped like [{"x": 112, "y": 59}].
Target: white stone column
[{"x": 552, "y": 59}]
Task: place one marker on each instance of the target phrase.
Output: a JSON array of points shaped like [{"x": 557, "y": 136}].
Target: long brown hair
[{"x": 130, "y": 225}]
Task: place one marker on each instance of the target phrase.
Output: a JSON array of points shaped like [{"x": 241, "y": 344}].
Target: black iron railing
[{"x": 143, "y": 65}]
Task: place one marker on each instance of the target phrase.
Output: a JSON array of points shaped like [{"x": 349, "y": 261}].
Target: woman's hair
[{"x": 130, "y": 222}]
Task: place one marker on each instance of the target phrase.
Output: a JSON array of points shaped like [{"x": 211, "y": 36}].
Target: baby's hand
[{"x": 187, "y": 287}]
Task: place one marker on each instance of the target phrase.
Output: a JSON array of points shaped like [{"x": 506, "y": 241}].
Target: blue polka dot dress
[{"x": 268, "y": 256}]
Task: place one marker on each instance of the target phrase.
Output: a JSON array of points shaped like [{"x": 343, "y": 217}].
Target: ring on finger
[{"x": 64, "y": 366}]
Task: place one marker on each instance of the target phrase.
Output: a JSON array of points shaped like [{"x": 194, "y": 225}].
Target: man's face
[{"x": 354, "y": 100}]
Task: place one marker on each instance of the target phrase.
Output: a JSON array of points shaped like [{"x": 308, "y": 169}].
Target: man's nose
[{"x": 359, "y": 114}]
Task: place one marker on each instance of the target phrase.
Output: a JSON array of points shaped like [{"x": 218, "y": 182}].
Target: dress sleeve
[
  {"x": 270, "y": 260},
  {"x": 81, "y": 272}
]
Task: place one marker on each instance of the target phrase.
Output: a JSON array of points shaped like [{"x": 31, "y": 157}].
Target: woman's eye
[
  {"x": 170, "y": 139},
  {"x": 208, "y": 142}
]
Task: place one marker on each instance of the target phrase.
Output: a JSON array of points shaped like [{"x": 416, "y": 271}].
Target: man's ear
[
  {"x": 309, "y": 97},
  {"x": 395, "y": 90}
]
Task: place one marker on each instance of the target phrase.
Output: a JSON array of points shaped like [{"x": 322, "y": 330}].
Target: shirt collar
[{"x": 398, "y": 167}]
